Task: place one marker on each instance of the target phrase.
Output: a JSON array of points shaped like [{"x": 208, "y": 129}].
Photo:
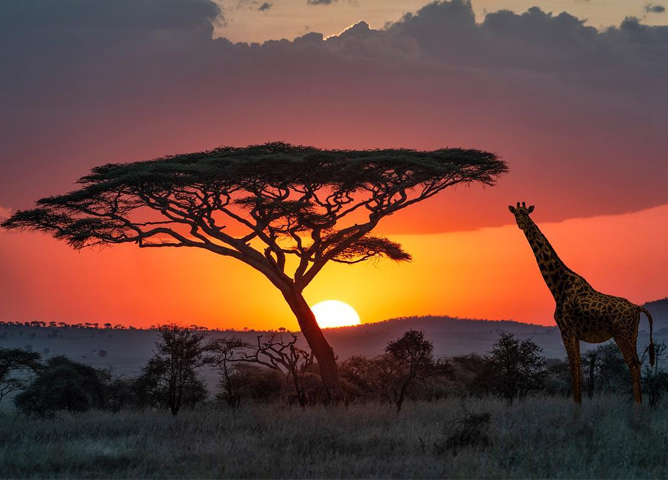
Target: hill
[
  {"x": 659, "y": 311},
  {"x": 128, "y": 350},
  {"x": 451, "y": 336}
]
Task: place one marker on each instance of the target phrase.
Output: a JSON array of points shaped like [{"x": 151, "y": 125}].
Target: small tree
[
  {"x": 591, "y": 363},
  {"x": 414, "y": 359},
  {"x": 655, "y": 380},
  {"x": 275, "y": 353},
  {"x": 225, "y": 358},
  {"x": 470, "y": 373},
  {"x": 170, "y": 378},
  {"x": 254, "y": 382},
  {"x": 15, "y": 366},
  {"x": 611, "y": 372},
  {"x": 314, "y": 206},
  {"x": 63, "y": 385},
  {"x": 357, "y": 371},
  {"x": 516, "y": 366},
  {"x": 119, "y": 390}
]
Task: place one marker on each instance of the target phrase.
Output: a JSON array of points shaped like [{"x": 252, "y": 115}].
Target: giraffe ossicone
[{"x": 583, "y": 313}]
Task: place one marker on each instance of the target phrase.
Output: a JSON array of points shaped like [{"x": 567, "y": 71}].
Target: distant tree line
[
  {"x": 274, "y": 369},
  {"x": 118, "y": 326},
  {"x": 40, "y": 324}
]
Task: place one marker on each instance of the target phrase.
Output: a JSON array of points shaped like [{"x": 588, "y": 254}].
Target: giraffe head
[{"x": 521, "y": 213}]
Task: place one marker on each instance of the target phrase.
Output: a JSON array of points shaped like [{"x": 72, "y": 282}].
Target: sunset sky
[{"x": 574, "y": 102}]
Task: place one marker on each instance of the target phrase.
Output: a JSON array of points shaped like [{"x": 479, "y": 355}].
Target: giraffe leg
[
  {"x": 628, "y": 350},
  {"x": 572, "y": 345}
]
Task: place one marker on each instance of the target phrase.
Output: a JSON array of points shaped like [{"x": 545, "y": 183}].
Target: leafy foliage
[
  {"x": 63, "y": 384},
  {"x": 413, "y": 358},
  {"x": 261, "y": 205},
  {"x": 407, "y": 363},
  {"x": 170, "y": 379},
  {"x": 517, "y": 366},
  {"x": 250, "y": 382},
  {"x": 15, "y": 367},
  {"x": 292, "y": 199},
  {"x": 275, "y": 354}
]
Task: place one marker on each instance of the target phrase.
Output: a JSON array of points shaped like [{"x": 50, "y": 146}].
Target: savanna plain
[{"x": 538, "y": 437}]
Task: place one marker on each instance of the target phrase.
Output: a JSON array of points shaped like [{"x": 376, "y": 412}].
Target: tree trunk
[{"x": 317, "y": 343}]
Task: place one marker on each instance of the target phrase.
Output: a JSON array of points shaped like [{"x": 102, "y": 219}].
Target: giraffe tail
[{"x": 652, "y": 353}]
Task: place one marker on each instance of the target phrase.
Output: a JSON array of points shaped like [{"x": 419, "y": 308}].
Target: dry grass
[{"x": 536, "y": 438}]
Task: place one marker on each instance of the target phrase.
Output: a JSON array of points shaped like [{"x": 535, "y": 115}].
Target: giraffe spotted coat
[{"x": 581, "y": 312}]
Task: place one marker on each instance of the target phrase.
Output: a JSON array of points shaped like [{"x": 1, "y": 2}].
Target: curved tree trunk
[{"x": 318, "y": 344}]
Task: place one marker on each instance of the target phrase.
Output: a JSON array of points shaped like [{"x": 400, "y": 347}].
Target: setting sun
[{"x": 333, "y": 313}]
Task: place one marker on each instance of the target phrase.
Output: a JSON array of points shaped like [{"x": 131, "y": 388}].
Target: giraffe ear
[
  {"x": 512, "y": 209},
  {"x": 530, "y": 209}
]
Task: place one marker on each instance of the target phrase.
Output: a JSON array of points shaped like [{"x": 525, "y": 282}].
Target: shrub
[
  {"x": 63, "y": 385},
  {"x": 170, "y": 379},
  {"x": 471, "y": 431}
]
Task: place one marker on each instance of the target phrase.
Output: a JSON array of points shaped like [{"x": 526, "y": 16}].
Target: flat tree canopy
[{"x": 262, "y": 205}]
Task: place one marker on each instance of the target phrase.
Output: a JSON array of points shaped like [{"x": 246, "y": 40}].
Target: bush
[
  {"x": 154, "y": 388},
  {"x": 471, "y": 431},
  {"x": 251, "y": 382},
  {"x": 516, "y": 367},
  {"x": 170, "y": 379},
  {"x": 16, "y": 366},
  {"x": 407, "y": 369},
  {"x": 63, "y": 385}
]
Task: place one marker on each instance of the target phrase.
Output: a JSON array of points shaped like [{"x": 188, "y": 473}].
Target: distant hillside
[
  {"x": 659, "y": 311},
  {"x": 128, "y": 350},
  {"x": 451, "y": 336}
]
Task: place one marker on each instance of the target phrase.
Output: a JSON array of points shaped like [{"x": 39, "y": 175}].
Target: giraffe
[{"x": 581, "y": 312}]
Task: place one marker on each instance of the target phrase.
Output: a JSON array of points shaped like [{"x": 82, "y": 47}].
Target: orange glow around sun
[
  {"x": 489, "y": 273},
  {"x": 333, "y": 313}
]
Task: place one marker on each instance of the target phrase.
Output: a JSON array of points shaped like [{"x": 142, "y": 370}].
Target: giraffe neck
[{"x": 553, "y": 270}]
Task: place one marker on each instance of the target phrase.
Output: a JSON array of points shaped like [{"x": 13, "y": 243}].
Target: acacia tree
[
  {"x": 275, "y": 354},
  {"x": 414, "y": 357},
  {"x": 262, "y": 205},
  {"x": 170, "y": 378},
  {"x": 517, "y": 367}
]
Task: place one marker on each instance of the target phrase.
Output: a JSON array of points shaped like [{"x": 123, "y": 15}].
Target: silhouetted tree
[
  {"x": 357, "y": 371},
  {"x": 225, "y": 358},
  {"x": 275, "y": 353},
  {"x": 558, "y": 379},
  {"x": 414, "y": 359},
  {"x": 261, "y": 205},
  {"x": 15, "y": 366},
  {"x": 471, "y": 374},
  {"x": 119, "y": 391},
  {"x": 516, "y": 366},
  {"x": 249, "y": 381},
  {"x": 170, "y": 378},
  {"x": 611, "y": 374},
  {"x": 63, "y": 385},
  {"x": 406, "y": 368},
  {"x": 591, "y": 364},
  {"x": 655, "y": 380}
]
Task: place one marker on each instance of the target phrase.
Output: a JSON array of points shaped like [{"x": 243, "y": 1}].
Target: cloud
[
  {"x": 101, "y": 14},
  {"x": 651, "y": 8},
  {"x": 265, "y": 6},
  {"x": 577, "y": 112}
]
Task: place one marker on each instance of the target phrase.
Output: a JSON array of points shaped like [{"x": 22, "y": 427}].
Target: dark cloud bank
[{"x": 578, "y": 113}]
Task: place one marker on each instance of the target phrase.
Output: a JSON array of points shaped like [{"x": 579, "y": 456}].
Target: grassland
[{"x": 536, "y": 438}]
